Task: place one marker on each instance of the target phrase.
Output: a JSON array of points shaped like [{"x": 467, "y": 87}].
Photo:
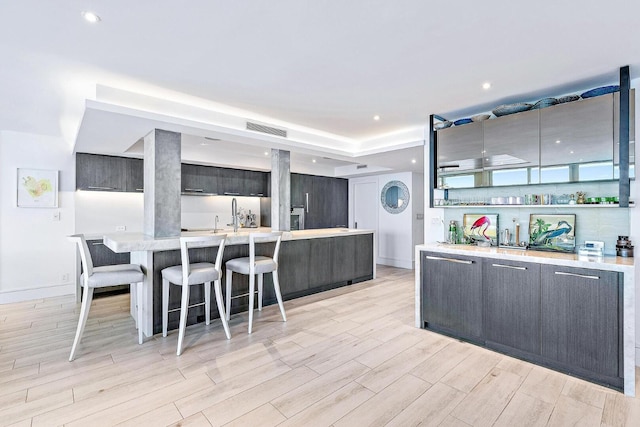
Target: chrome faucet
[{"x": 234, "y": 212}]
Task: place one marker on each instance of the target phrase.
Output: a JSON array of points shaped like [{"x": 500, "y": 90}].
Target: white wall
[
  {"x": 396, "y": 234},
  {"x": 100, "y": 212},
  {"x": 417, "y": 181},
  {"x": 36, "y": 259}
]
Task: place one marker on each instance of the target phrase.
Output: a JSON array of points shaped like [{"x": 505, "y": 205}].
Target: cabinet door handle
[
  {"x": 195, "y": 190},
  {"x": 457, "y": 261},
  {"x": 583, "y": 276},
  {"x": 226, "y": 193},
  {"x": 509, "y": 266},
  {"x": 306, "y": 204},
  {"x": 97, "y": 243},
  {"x": 91, "y": 187},
  {"x": 139, "y": 189}
]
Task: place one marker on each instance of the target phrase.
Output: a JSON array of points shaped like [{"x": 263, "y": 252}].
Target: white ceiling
[{"x": 323, "y": 67}]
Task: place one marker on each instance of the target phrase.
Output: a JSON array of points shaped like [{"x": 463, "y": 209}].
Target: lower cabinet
[
  {"x": 581, "y": 318},
  {"x": 565, "y": 318},
  {"x": 305, "y": 266},
  {"x": 511, "y": 304},
  {"x": 452, "y": 294}
]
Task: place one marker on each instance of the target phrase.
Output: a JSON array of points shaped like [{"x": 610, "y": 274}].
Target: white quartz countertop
[
  {"x": 133, "y": 242},
  {"x": 613, "y": 263}
]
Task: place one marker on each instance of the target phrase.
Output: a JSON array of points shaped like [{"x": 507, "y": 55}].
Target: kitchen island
[
  {"x": 560, "y": 310},
  {"x": 310, "y": 261}
]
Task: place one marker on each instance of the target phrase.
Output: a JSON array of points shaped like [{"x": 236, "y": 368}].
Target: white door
[{"x": 365, "y": 195}]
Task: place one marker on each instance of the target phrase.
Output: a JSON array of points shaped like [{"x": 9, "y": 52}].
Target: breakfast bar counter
[{"x": 310, "y": 261}]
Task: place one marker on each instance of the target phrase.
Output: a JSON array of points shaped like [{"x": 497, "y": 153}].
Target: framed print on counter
[
  {"x": 552, "y": 232},
  {"x": 37, "y": 188},
  {"x": 481, "y": 228}
]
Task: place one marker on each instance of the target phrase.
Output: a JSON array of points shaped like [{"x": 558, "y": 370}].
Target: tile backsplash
[{"x": 592, "y": 222}]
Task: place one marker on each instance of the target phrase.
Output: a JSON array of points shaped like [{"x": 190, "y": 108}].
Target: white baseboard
[
  {"x": 408, "y": 264},
  {"x": 19, "y": 295}
]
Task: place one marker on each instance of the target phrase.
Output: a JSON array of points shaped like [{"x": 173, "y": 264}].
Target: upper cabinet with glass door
[
  {"x": 511, "y": 152},
  {"x": 460, "y": 156},
  {"x": 576, "y": 141},
  {"x": 570, "y": 142}
]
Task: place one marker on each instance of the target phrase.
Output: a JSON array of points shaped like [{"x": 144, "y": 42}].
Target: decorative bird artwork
[
  {"x": 558, "y": 236},
  {"x": 480, "y": 226}
]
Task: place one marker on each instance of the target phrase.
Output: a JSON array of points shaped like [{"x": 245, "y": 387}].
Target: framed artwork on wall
[{"x": 37, "y": 188}]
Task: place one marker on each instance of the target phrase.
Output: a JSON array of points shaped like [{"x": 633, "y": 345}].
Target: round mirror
[{"x": 394, "y": 197}]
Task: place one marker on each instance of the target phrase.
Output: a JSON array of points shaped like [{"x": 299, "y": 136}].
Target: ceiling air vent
[
  {"x": 361, "y": 166},
  {"x": 266, "y": 129}
]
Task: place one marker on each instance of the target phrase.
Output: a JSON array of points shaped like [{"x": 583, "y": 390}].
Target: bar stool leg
[
  {"x": 165, "y": 306},
  {"x": 276, "y": 285},
  {"x": 183, "y": 317},
  {"x": 207, "y": 302},
  {"x": 82, "y": 321},
  {"x": 139, "y": 304},
  {"x": 228, "y": 293},
  {"x": 260, "y": 277},
  {"x": 223, "y": 317},
  {"x": 252, "y": 290}
]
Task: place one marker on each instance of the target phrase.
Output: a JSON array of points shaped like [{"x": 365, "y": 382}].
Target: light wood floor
[{"x": 348, "y": 357}]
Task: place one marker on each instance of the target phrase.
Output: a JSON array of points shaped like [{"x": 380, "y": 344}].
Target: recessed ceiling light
[
  {"x": 557, "y": 141},
  {"x": 313, "y": 160},
  {"x": 91, "y": 17},
  {"x": 486, "y": 86},
  {"x": 204, "y": 144},
  {"x": 571, "y": 152},
  {"x": 266, "y": 153},
  {"x": 376, "y": 117},
  {"x": 413, "y": 160}
]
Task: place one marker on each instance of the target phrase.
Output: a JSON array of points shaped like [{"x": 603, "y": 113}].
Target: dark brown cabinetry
[
  {"x": 109, "y": 173},
  {"x": 100, "y": 173},
  {"x": 581, "y": 318},
  {"x": 512, "y": 304},
  {"x": 569, "y": 319},
  {"x": 324, "y": 199},
  {"x": 198, "y": 179},
  {"x": 134, "y": 175},
  {"x": 305, "y": 267},
  {"x": 452, "y": 294}
]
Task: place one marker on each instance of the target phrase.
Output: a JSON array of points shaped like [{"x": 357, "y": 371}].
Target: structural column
[
  {"x": 162, "y": 183},
  {"x": 280, "y": 190}
]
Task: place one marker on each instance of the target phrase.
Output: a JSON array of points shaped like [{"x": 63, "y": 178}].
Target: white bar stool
[
  {"x": 99, "y": 277},
  {"x": 259, "y": 265},
  {"x": 188, "y": 274}
]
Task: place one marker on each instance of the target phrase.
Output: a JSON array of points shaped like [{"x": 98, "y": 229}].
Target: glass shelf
[{"x": 581, "y": 206}]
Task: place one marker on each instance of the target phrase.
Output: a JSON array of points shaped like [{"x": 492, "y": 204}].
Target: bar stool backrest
[
  {"x": 200, "y": 242},
  {"x": 85, "y": 256},
  {"x": 274, "y": 236}
]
